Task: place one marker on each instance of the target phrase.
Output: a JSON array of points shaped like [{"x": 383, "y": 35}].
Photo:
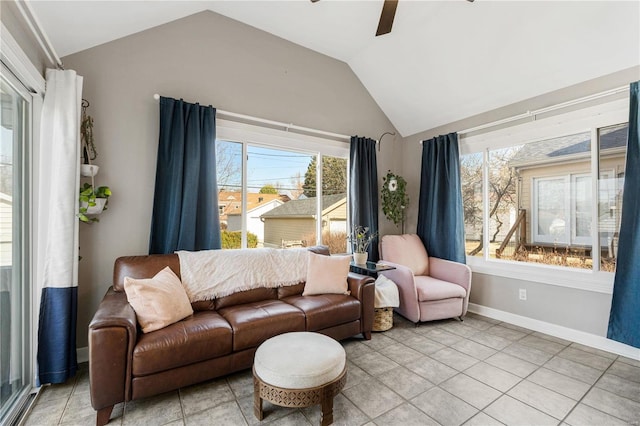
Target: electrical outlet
[{"x": 523, "y": 294}]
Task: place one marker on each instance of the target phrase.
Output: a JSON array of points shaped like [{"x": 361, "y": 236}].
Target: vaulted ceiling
[{"x": 442, "y": 62}]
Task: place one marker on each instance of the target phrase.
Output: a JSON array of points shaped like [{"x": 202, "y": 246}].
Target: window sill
[{"x": 600, "y": 282}]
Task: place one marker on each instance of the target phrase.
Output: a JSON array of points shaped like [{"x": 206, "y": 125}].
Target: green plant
[
  {"x": 233, "y": 239},
  {"x": 87, "y": 198},
  {"x": 361, "y": 238},
  {"x": 394, "y": 198}
]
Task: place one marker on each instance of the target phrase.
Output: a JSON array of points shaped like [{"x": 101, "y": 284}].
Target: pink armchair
[{"x": 430, "y": 288}]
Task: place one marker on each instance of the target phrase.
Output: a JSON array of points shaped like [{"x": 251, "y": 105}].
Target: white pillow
[
  {"x": 327, "y": 275},
  {"x": 158, "y": 301}
]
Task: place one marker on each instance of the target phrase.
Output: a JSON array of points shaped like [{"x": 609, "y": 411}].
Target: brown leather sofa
[{"x": 221, "y": 336}]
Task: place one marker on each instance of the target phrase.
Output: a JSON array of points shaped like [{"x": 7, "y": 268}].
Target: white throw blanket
[
  {"x": 209, "y": 274},
  {"x": 386, "y": 295}
]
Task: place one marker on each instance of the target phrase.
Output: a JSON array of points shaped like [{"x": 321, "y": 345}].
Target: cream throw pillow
[
  {"x": 327, "y": 275},
  {"x": 158, "y": 301}
]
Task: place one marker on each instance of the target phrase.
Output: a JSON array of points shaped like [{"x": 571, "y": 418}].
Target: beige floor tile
[
  {"x": 495, "y": 377},
  {"x": 471, "y": 391},
  {"x": 543, "y": 399},
  {"x": 510, "y": 411},
  {"x": 565, "y": 385},
  {"x": 373, "y": 398},
  {"x": 405, "y": 382},
  {"x": 405, "y": 415},
  {"x": 443, "y": 407}
]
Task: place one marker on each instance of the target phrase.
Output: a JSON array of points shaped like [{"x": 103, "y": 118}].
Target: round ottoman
[{"x": 298, "y": 370}]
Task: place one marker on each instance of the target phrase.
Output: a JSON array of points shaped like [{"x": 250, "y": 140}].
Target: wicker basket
[{"x": 382, "y": 319}]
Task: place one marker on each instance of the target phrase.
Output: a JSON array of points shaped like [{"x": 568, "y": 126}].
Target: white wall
[
  {"x": 210, "y": 59},
  {"x": 568, "y": 307}
]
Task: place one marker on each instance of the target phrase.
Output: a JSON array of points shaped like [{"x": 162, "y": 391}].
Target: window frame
[
  {"x": 248, "y": 134},
  {"x": 608, "y": 111}
]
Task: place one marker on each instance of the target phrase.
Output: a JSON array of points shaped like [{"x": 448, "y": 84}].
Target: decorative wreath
[{"x": 394, "y": 197}]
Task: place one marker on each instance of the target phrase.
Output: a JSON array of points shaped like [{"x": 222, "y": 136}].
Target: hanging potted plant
[
  {"x": 92, "y": 201},
  {"x": 394, "y": 198}
]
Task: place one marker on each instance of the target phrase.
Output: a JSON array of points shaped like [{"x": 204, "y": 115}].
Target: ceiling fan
[{"x": 386, "y": 17}]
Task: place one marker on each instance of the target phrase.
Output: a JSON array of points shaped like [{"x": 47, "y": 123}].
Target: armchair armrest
[
  {"x": 363, "y": 289},
  {"x": 112, "y": 337},
  {"x": 403, "y": 277},
  {"x": 453, "y": 272}
]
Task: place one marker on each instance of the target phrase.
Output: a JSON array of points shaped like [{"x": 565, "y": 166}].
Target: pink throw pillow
[
  {"x": 327, "y": 275},
  {"x": 158, "y": 301}
]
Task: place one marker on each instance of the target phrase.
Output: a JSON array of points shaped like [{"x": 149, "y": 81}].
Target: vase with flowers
[{"x": 360, "y": 239}]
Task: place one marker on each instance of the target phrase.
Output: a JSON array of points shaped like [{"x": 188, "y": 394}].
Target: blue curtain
[
  {"x": 440, "y": 214},
  {"x": 363, "y": 188},
  {"x": 624, "y": 320},
  {"x": 185, "y": 205}
]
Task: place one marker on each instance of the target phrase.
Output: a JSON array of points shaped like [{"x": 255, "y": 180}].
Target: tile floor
[{"x": 476, "y": 372}]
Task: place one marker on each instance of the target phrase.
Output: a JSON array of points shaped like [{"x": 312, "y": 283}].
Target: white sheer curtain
[{"x": 57, "y": 237}]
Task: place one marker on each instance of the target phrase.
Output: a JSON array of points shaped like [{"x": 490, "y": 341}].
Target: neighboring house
[
  {"x": 230, "y": 203},
  {"x": 230, "y": 207},
  {"x": 296, "y": 220},
  {"x": 556, "y": 188},
  {"x": 254, "y": 223}
]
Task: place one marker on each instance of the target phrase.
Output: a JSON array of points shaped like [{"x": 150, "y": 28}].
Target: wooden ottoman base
[{"x": 322, "y": 395}]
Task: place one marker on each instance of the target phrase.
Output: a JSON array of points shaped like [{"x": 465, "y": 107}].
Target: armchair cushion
[
  {"x": 433, "y": 289},
  {"x": 406, "y": 250}
]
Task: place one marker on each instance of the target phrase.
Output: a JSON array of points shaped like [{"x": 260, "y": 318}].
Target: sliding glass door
[{"x": 15, "y": 352}]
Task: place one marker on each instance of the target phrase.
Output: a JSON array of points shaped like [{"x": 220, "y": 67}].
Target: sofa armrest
[
  {"x": 112, "y": 337},
  {"x": 403, "y": 277},
  {"x": 363, "y": 289},
  {"x": 453, "y": 272}
]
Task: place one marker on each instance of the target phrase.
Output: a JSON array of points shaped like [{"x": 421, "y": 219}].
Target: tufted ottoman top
[{"x": 299, "y": 360}]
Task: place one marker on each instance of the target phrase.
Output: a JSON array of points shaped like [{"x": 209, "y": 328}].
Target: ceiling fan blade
[{"x": 386, "y": 18}]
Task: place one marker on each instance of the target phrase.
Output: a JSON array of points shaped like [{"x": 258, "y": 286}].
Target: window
[
  {"x": 528, "y": 193},
  {"x": 15, "y": 352},
  {"x": 268, "y": 183}
]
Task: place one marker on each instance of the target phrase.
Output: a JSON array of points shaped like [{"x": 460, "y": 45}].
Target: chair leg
[{"x": 367, "y": 335}]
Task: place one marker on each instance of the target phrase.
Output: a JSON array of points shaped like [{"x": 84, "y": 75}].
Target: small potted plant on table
[{"x": 361, "y": 238}]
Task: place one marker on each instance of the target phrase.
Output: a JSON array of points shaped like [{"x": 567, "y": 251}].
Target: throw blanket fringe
[{"x": 209, "y": 274}]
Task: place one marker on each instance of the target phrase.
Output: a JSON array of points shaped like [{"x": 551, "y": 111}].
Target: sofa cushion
[
  {"x": 326, "y": 310},
  {"x": 255, "y": 322},
  {"x": 327, "y": 274},
  {"x": 203, "y": 336},
  {"x": 158, "y": 301},
  {"x": 406, "y": 250},
  {"x": 433, "y": 289}
]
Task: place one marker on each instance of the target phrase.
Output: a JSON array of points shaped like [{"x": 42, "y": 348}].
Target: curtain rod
[
  {"x": 40, "y": 35},
  {"x": 287, "y": 126},
  {"x": 545, "y": 110}
]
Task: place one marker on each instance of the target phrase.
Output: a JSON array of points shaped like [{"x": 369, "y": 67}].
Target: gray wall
[
  {"x": 577, "y": 309},
  {"x": 210, "y": 59}
]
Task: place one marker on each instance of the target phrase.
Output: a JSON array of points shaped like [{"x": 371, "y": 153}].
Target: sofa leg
[
  {"x": 367, "y": 335},
  {"x": 103, "y": 415},
  {"x": 460, "y": 318}
]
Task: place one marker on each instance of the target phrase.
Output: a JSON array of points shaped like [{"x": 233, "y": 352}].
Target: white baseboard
[
  {"x": 82, "y": 354},
  {"x": 566, "y": 333}
]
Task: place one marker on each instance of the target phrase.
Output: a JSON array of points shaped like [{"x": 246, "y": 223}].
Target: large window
[
  {"x": 530, "y": 200},
  {"x": 274, "y": 193}
]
